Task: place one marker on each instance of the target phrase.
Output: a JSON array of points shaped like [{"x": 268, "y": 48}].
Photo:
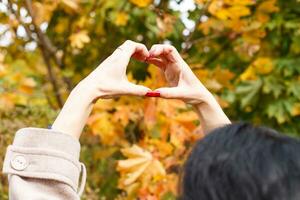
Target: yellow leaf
[
  {"x": 215, "y": 6},
  {"x": 101, "y": 125},
  {"x": 268, "y": 6},
  {"x": 2, "y": 70},
  {"x": 135, "y": 151},
  {"x": 165, "y": 24},
  {"x": 141, "y": 3},
  {"x": 61, "y": 26},
  {"x": 223, "y": 76},
  {"x": 223, "y": 14},
  {"x": 79, "y": 39},
  {"x": 201, "y": 2},
  {"x": 236, "y": 12},
  {"x": 121, "y": 19},
  {"x": 43, "y": 12},
  {"x": 240, "y": 2},
  {"x": 7, "y": 100},
  {"x": 73, "y": 4},
  {"x": 164, "y": 148},
  {"x": 296, "y": 110},
  {"x": 263, "y": 65},
  {"x": 27, "y": 85},
  {"x": 248, "y": 74},
  {"x": 139, "y": 163}
]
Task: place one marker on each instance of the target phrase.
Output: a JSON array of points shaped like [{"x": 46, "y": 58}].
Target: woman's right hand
[
  {"x": 186, "y": 86},
  {"x": 106, "y": 81},
  {"x": 109, "y": 79}
]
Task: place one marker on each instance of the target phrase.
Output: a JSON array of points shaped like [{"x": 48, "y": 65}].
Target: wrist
[
  {"x": 76, "y": 110},
  {"x": 87, "y": 91},
  {"x": 210, "y": 113}
]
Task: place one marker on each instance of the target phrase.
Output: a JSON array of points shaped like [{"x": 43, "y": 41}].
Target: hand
[
  {"x": 106, "y": 81},
  {"x": 186, "y": 86},
  {"x": 110, "y": 80}
]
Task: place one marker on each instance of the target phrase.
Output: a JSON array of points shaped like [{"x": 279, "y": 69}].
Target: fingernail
[{"x": 152, "y": 94}]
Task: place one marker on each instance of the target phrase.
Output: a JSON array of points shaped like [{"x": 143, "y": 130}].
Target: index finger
[
  {"x": 168, "y": 51},
  {"x": 130, "y": 48}
]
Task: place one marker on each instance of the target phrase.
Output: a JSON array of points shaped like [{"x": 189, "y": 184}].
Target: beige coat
[{"x": 43, "y": 164}]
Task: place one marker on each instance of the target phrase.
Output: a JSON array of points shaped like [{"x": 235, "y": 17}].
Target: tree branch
[
  {"x": 188, "y": 40},
  {"x": 47, "y": 50}
]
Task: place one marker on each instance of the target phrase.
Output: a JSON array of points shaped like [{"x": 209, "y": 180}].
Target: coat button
[{"x": 19, "y": 163}]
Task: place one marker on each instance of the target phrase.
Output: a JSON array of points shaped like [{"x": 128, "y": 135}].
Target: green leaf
[{"x": 248, "y": 92}]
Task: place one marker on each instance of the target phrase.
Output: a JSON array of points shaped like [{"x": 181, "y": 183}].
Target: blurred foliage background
[{"x": 245, "y": 51}]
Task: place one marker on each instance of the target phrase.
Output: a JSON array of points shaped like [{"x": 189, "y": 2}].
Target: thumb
[
  {"x": 137, "y": 90},
  {"x": 170, "y": 92}
]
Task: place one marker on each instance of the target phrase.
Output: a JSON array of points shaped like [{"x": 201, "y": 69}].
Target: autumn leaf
[
  {"x": 237, "y": 12},
  {"x": 139, "y": 163},
  {"x": 27, "y": 85},
  {"x": 201, "y": 2},
  {"x": 121, "y": 19},
  {"x": 141, "y": 3},
  {"x": 268, "y": 6},
  {"x": 263, "y": 65},
  {"x": 2, "y": 70},
  {"x": 165, "y": 24},
  {"x": 79, "y": 39},
  {"x": 215, "y": 6},
  {"x": 43, "y": 12},
  {"x": 240, "y": 2},
  {"x": 72, "y": 4},
  {"x": 101, "y": 125},
  {"x": 248, "y": 74},
  {"x": 296, "y": 109}
]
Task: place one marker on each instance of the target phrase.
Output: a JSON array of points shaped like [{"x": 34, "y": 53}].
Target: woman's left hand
[{"x": 109, "y": 79}]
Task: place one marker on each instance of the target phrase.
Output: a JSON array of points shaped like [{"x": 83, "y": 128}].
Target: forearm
[
  {"x": 211, "y": 114},
  {"x": 73, "y": 116}
]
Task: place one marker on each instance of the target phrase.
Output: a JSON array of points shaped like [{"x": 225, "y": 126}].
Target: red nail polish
[{"x": 152, "y": 94}]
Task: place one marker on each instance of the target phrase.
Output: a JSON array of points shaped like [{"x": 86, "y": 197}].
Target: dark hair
[{"x": 243, "y": 162}]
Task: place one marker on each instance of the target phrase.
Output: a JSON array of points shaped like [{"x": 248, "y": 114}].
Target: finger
[
  {"x": 157, "y": 61},
  {"x": 170, "y": 92},
  {"x": 141, "y": 52},
  {"x": 121, "y": 56},
  {"x": 130, "y": 47},
  {"x": 136, "y": 90},
  {"x": 168, "y": 51}
]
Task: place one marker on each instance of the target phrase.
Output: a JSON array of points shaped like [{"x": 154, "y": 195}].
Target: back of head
[{"x": 243, "y": 162}]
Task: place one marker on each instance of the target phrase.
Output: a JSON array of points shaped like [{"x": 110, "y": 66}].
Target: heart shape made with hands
[{"x": 112, "y": 80}]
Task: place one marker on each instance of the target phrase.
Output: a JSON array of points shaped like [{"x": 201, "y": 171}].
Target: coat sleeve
[{"x": 44, "y": 164}]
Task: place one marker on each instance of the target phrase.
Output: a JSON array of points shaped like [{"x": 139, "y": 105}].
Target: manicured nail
[{"x": 152, "y": 94}]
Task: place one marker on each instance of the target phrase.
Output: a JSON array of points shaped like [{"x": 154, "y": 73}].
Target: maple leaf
[
  {"x": 268, "y": 6},
  {"x": 141, "y": 3},
  {"x": 101, "y": 125},
  {"x": 72, "y": 4},
  {"x": 121, "y": 19},
  {"x": 27, "y": 85},
  {"x": 240, "y": 2},
  {"x": 263, "y": 65},
  {"x": 79, "y": 39},
  {"x": 140, "y": 162},
  {"x": 43, "y": 12},
  {"x": 2, "y": 70},
  {"x": 296, "y": 109},
  {"x": 248, "y": 74}
]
